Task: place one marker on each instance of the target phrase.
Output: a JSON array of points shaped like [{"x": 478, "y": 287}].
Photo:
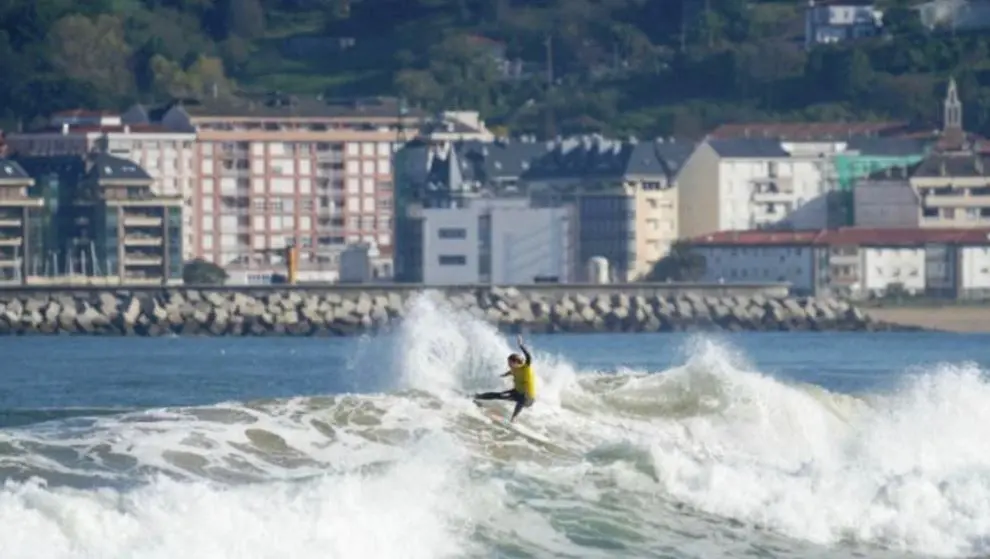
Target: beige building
[
  {"x": 167, "y": 155},
  {"x": 281, "y": 170},
  {"x": 625, "y": 194}
]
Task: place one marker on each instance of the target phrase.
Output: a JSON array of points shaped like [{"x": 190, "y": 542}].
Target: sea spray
[{"x": 715, "y": 456}]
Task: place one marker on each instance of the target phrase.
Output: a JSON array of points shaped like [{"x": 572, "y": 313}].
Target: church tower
[
  {"x": 953, "y": 135},
  {"x": 952, "y": 115}
]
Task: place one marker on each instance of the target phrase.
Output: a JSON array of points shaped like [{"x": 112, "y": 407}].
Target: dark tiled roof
[
  {"x": 599, "y": 157},
  {"x": 475, "y": 161},
  {"x": 674, "y": 154},
  {"x": 806, "y": 131},
  {"x": 953, "y": 165},
  {"x": 11, "y": 170},
  {"x": 888, "y": 147},
  {"x": 501, "y": 159},
  {"x": 483, "y": 163},
  {"x": 108, "y": 167},
  {"x": 65, "y": 165},
  {"x": 864, "y": 236},
  {"x": 895, "y": 172},
  {"x": 746, "y": 148}
]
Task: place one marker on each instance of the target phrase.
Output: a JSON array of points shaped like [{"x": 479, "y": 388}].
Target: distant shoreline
[{"x": 962, "y": 318}]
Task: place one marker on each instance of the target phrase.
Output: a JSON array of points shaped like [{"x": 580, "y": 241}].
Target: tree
[
  {"x": 94, "y": 51},
  {"x": 201, "y": 272},
  {"x": 203, "y": 79},
  {"x": 902, "y": 21},
  {"x": 680, "y": 264},
  {"x": 244, "y": 18}
]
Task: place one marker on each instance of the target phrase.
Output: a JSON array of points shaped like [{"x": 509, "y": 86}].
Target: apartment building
[
  {"x": 855, "y": 261},
  {"x": 463, "y": 216},
  {"x": 625, "y": 196},
  {"x": 835, "y": 21},
  {"x": 948, "y": 188},
  {"x": 167, "y": 155},
  {"x": 106, "y": 225},
  {"x": 757, "y": 183},
  {"x": 21, "y": 237},
  {"x": 280, "y": 170},
  {"x": 135, "y": 234}
]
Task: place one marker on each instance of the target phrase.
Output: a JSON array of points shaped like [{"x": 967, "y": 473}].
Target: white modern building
[
  {"x": 835, "y": 21},
  {"x": 167, "y": 155},
  {"x": 497, "y": 241},
  {"x": 740, "y": 184},
  {"x": 855, "y": 261}
]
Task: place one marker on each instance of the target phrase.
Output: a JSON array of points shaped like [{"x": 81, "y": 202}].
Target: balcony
[
  {"x": 142, "y": 240},
  {"x": 142, "y": 259},
  {"x": 10, "y": 222},
  {"x": 142, "y": 221},
  {"x": 957, "y": 198},
  {"x": 11, "y": 241},
  {"x": 768, "y": 197},
  {"x": 782, "y": 183}
]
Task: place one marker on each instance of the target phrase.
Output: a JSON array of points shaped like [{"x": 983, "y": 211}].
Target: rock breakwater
[{"x": 225, "y": 312}]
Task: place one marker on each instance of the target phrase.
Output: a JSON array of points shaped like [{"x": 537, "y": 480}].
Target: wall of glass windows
[
  {"x": 173, "y": 257},
  {"x": 109, "y": 248}
]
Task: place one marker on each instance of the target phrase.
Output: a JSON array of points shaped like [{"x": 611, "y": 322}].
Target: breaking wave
[{"x": 711, "y": 457}]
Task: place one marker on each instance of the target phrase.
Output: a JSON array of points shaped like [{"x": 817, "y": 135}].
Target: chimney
[
  {"x": 127, "y": 129},
  {"x": 65, "y": 128}
]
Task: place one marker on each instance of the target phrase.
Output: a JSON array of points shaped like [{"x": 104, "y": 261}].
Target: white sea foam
[{"x": 692, "y": 459}]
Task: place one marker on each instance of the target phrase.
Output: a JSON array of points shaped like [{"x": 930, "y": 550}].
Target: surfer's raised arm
[{"x": 522, "y": 347}]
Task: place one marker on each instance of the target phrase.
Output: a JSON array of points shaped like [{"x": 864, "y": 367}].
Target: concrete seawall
[{"x": 342, "y": 311}]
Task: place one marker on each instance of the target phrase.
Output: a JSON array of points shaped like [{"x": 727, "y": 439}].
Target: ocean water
[{"x": 665, "y": 445}]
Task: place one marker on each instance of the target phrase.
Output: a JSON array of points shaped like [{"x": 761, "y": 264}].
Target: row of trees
[{"x": 642, "y": 67}]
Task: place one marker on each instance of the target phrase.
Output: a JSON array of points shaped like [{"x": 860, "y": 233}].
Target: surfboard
[{"x": 498, "y": 420}]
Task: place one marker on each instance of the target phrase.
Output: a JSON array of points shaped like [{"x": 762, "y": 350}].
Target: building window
[
  {"x": 452, "y": 260},
  {"x": 452, "y": 233}
]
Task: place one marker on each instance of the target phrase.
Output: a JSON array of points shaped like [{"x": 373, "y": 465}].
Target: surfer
[{"x": 523, "y": 391}]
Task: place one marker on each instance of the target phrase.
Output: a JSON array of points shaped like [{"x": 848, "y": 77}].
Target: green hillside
[{"x": 625, "y": 67}]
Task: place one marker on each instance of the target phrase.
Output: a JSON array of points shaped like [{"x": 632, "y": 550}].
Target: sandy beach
[{"x": 974, "y": 318}]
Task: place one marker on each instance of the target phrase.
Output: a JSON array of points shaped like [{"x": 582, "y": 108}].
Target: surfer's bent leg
[{"x": 522, "y": 401}]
